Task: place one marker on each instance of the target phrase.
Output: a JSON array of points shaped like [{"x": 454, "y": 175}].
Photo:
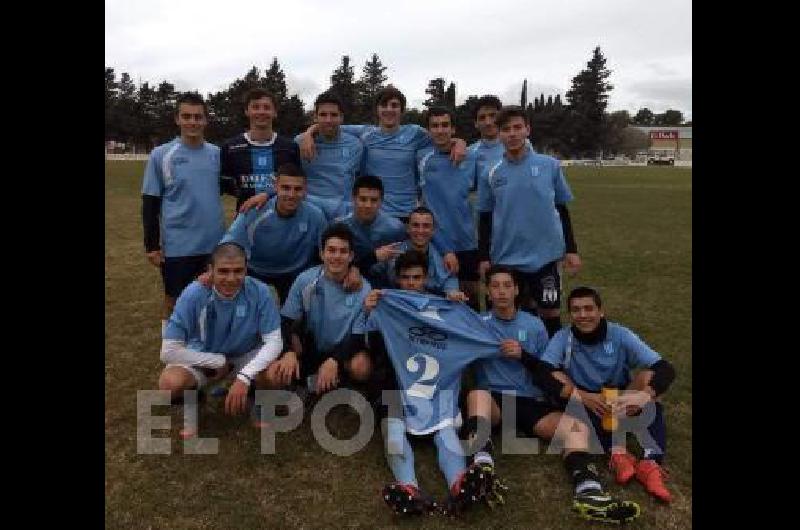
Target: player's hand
[
  {"x": 288, "y": 368},
  {"x": 511, "y": 348},
  {"x": 387, "y": 252},
  {"x": 308, "y": 151},
  {"x": 451, "y": 263},
  {"x": 236, "y": 400},
  {"x": 630, "y": 402},
  {"x": 353, "y": 280},
  {"x": 256, "y": 201},
  {"x": 372, "y": 299},
  {"x": 457, "y": 296},
  {"x": 327, "y": 376},
  {"x": 156, "y": 258},
  {"x": 205, "y": 279},
  {"x": 572, "y": 263},
  {"x": 483, "y": 268},
  {"x": 458, "y": 150},
  {"x": 594, "y": 402}
]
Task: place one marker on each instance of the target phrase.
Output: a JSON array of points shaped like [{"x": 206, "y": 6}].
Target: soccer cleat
[
  {"x": 476, "y": 484},
  {"x": 624, "y": 467},
  {"x": 407, "y": 499},
  {"x": 652, "y": 476},
  {"x": 596, "y": 505}
]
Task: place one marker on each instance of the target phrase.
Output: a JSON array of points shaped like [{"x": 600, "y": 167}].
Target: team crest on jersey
[
  {"x": 303, "y": 226},
  {"x": 534, "y": 171},
  {"x": 549, "y": 291},
  {"x": 608, "y": 347},
  {"x": 350, "y": 300},
  {"x": 262, "y": 161},
  {"x": 241, "y": 310},
  {"x": 522, "y": 335}
]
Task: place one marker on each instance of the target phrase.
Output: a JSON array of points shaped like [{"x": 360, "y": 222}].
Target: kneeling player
[
  {"x": 230, "y": 327},
  {"x": 505, "y": 379}
]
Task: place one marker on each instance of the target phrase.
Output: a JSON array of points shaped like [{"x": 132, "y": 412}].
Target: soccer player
[
  {"x": 524, "y": 222},
  {"x": 428, "y": 341},
  {"x": 282, "y": 238},
  {"x": 376, "y": 234},
  {"x": 445, "y": 190},
  {"x": 420, "y": 229},
  {"x": 389, "y": 151},
  {"x": 488, "y": 149},
  {"x": 181, "y": 209},
  {"x": 231, "y": 327},
  {"x": 331, "y": 173},
  {"x": 318, "y": 319},
  {"x": 500, "y": 380},
  {"x": 249, "y": 160},
  {"x": 594, "y": 353}
]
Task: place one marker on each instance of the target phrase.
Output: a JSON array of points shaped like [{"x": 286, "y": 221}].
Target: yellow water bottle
[{"x": 609, "y": 421}]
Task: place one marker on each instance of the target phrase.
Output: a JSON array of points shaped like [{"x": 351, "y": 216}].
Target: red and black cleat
[{"x": 407, "y": 499}]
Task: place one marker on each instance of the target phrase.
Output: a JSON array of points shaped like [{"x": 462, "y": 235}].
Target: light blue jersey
[
  {"x": 331, "y": 174},
  {"x": 206, "y": 322},
  {"x": 328, "y": 310},
  {"x": 522, "y": 196},
  {"x": 429, "y": 341},
  {"x": 439, "y": 281},
  {"x": 392, "y": 157},
  {"x": 487, "y": 154},
  {"x": 384, "y": 229},
  {"x": 278, "y": 245},
  {"x": 445, "y": 191},
  {"x": 608, "y": 362},
  {"x": 510, "y": 375},
  {"x": 187, "y": 181}
]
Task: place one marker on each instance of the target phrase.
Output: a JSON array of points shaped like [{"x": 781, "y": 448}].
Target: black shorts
[
  {"x": 528, "y": 411},
  {"x": 180, "y": 271},
  {"x": 282, "y": 282},
  {"x": 540, "y": 289},
  {"x": 468, "y": 265}
]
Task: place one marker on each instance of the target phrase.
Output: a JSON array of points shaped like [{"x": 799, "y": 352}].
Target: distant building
[{"x": 670, "y": 138}]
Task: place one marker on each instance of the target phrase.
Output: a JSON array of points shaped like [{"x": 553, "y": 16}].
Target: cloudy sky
[{"x": 484, "y": 46}]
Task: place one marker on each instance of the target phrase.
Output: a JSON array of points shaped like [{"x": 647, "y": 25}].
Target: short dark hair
[
  {"x": 369, "y": 182},
  {"x": 585, "y": 292},
  {"x": 227, "y": 250},
  {"x": 258, "y": 93},
  {"x": 390, "y": 92},
  {"x": 486, "y": 101},
  {"x": 440, "y": 111},
  {"x": 424, "y": 211},
  {"x": 501, "y": 269},
  {"x": 331, "y": 98},
  {"x": 340, "y": 231},
  {"x": 513, "y": 111},
  {"x": 190, "y": 98},
  {"x": 409, "y": 259},
  {"x": 290, "y": 169}
]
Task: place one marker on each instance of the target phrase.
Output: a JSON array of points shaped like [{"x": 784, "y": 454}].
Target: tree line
[{"x": 142, "y": 115}]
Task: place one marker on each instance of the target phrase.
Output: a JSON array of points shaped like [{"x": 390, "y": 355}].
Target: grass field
[{"x": 634, "y": 231}]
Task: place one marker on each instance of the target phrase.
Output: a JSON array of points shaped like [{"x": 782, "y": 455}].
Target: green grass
[{"x": 633, "y": 227}]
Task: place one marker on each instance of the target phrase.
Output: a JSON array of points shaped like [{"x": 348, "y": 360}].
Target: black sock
[
  {"x": 470, "y": 430},
  {"x": 552, "y": 324},
  {"x": 579, "y": 468}
]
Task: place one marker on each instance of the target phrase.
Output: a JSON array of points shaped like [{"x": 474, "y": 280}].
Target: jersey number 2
[{"x": 425, "y": 385}]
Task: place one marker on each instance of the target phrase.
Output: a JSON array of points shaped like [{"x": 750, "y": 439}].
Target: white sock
[
  {"x": 482, "y": 457},
  {"x": 587, "y": 485},
  {"x": 163, "y": 326}
]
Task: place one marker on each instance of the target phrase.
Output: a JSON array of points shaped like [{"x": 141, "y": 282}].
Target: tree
[
  {"x": 166, "y": 98},
  {"x": 450, "y": 96},
  {"x": 371, "y": 81},
  {"x": 110, "y": 103},
  {"x": 669, "y": 117},
  {"x": 343, "y": 85},
  {"x": 436, "y": 92},
  {"x": 632, "y": 141},
  {"x": 465, "y": 119},
  {"x": 291, "y": 119},
  {"x": 588, "y": 98},
  {"x": 614, "y": 126},
  {"x": 523, "y": 98},
  {"x": 275, "y": 81},
  {"x": 644, "y": 117}
]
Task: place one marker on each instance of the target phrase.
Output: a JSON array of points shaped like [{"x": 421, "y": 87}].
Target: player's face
[
  {"x": 227, "y": 275},
  {"x": 420, "y": 229},
  {"x": 485, "y": 122},
  {"x": 502, "y": 290},
  {"x": 389, "y": 113},
  {"x": 329, "y": 118},
  {"x": 260, "y": 112},
  {"x": 291, "y": 191},
  {"x": 367, "y": 202},
  {"x": 514, "y": 133},
  {"x": 441, "y": 130},
  {"x": 336, "y": 255},
  {"x": 412, "y": 279},
  {"x": 585, "y": 314},
  {"x": 191, "y": 120}
]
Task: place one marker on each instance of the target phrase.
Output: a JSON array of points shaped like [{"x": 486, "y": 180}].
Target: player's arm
[
  {"x": 152, "y": 191},
  {"x": 227, "y": 181},
  {"x": 485, "y": 207}
]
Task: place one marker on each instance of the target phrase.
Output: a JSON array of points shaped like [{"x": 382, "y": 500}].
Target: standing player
[
  {"x": 488, "y": 149},
  {"x": 506, "y": 379},
  {"x": 524, "y": 222},
  {"x": 249, "y": 160},
  {"x": 281, "y": 239},
  {"x": 230, "y": 327},
  {"x": 181, "y": 209},
  {"x": 331, "y": 173},
  {"x": 445, "y": 190},
  {"x": 594, "y": 353}
]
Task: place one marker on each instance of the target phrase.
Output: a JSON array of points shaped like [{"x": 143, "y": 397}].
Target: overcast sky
[{"x": 484, "y": 46}]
